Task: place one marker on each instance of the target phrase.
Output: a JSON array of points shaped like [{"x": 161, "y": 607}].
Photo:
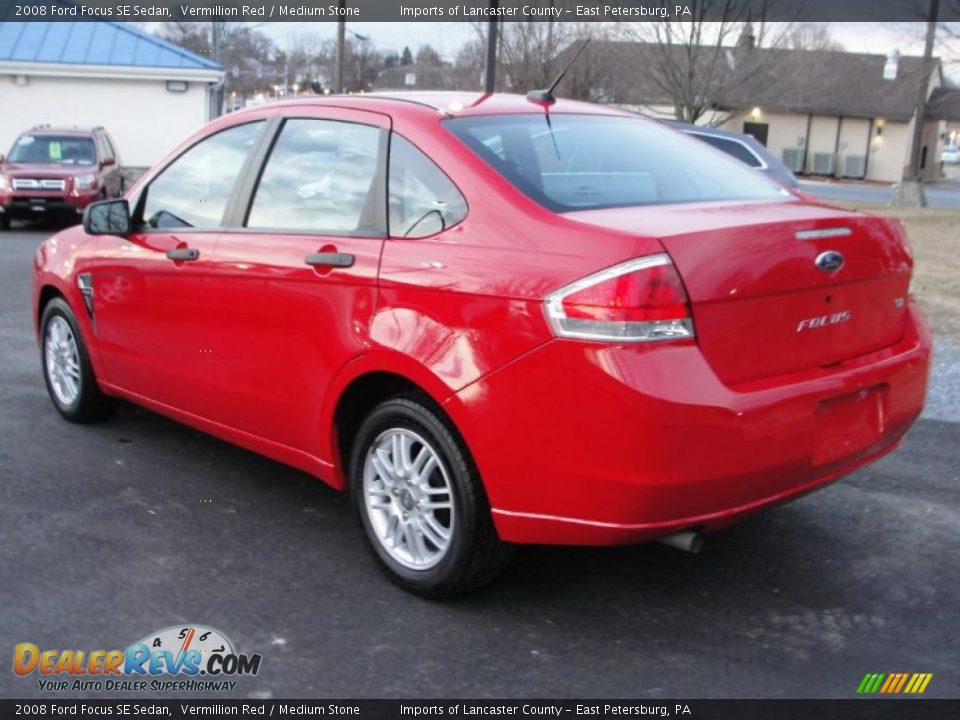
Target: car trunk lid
[{"x": 764, "y": 298}]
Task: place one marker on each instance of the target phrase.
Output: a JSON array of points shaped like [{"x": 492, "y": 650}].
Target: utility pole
[
  {"x": 338, "y": 53},
  {"x": 910, "y": 190},
  {"x": 490, "y": 75}
]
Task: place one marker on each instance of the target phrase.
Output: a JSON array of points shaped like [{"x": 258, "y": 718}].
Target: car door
[
  {"x": 295, "y": 276},
  {"x": 152, "y": 288}
]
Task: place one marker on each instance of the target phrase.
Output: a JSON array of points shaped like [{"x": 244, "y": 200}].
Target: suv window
[
  {"x": 322, "y": 176},
  {"x": 194, "y": 189},
  {"x": 54, "y": 149},
  {"x": 423, "y": 200},
  {"x": 107, "y": 142},
  {"x": 101, "y": 146},
  {"x": 732, "y": 148}
]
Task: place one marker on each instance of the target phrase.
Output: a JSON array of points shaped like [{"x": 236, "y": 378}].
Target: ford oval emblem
[{"x": 829, "y": 261}]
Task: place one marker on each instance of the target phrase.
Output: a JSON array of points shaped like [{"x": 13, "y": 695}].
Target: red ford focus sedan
[{"x": 495, "y": 321}]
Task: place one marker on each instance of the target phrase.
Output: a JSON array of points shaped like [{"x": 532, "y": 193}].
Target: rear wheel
[
  {"x": 66, "y": 367},
  {"x": 4, "y": 222},
  {"x": 420, "y": 502}
]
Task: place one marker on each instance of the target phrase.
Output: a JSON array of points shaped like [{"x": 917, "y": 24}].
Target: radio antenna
[{"x": 546, "y": 96}]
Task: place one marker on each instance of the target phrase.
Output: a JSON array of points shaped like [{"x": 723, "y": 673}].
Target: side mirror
[
  {"x": 107, "y": 162},
  {"x": 107, "y": 217}
]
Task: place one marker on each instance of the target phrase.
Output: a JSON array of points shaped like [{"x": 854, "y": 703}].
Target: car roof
[
  {"x": 716, "y": 132},
  {"x": 60, "y": 131},
  {"x": 447, "y": 103}
]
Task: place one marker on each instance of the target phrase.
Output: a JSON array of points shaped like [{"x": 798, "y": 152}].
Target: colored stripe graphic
[
  {"x": 918, "y": 683},
  {"x": 894, "y": 683},
  {"x": 870, "y": 683}
]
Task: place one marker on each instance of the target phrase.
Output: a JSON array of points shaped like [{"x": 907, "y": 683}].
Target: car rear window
[
  {"x": 53, "y": 149},
  {"x": 571, "y": 162}
]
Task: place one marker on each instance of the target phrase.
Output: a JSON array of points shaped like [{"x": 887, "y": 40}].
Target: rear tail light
[{"x": 641, "y": 300}]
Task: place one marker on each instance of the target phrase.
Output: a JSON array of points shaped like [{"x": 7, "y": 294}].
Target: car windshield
[
  {"x": 583, "y": 162},
  {"x": 53, "y": 149}
]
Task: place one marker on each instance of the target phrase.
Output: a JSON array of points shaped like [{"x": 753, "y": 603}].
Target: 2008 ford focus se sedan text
[{"x": 494, "y": 320}]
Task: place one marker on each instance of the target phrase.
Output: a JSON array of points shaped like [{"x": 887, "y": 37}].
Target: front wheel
[
  {"x": 420, "y": 502},
  {"x": 4, "y": 222},
  {"x": 66, "y": 367}
]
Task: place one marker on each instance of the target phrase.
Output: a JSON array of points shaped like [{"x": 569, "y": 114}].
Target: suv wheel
[
  {"x": 420, "y": 502},
  {"x": 66, "y": 367}
]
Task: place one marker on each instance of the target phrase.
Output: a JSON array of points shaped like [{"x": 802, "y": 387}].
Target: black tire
[
  {"x": 90, "y": 403},
  {"x": 4, "y": 222},
  {"x": 475, "y": 555}
]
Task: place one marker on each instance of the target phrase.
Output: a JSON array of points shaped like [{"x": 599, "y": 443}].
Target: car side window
[
  {"x": 108, "y": 145},
  {"x": 192, "y": 192},
  {"x": 423, "y": 201},
  {"x": 322, "y": 176},
  {"x": 101, "y": 147}
]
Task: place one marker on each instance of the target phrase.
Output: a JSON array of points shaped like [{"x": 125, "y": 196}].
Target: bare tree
[
  {"x": 249, "y": 56},
  {"x": 426, "y": 55},
  {"x": 194, "y": 37},
  {"x": 694, "y": 64},
  {"x": 811, "y": 36},
  {"x": 310, "y": 61},
  {"x": 947, "y": 45},
  {"x": 530, "y": 54},
  {"x": 467, "y": 70}
]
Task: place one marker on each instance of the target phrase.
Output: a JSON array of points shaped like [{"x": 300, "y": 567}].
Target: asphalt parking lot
[{"x": 104, "y": 537}]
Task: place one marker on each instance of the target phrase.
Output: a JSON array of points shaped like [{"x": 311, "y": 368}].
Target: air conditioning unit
[
  {"x": 824, "y": 163},
  {"x": 793, "y": 159},
  {"x": 855, "y": 166}
]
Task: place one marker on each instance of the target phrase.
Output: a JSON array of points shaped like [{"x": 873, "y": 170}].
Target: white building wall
[
  {"x": 889, "y": 150},
  {"x": 144, "y": 118},
  {"x": 933, "y": 131}
]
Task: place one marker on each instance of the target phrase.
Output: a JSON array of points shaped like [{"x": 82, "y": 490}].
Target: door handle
[
  {"x": 182, "y": 254},
  {"x": 330, "y": 259}
]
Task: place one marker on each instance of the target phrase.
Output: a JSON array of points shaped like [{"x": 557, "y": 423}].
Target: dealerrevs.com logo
[{"x": 179, "y": 658}]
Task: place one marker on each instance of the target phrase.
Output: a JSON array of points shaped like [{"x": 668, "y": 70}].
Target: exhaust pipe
[{"x": 687, "y": 540}]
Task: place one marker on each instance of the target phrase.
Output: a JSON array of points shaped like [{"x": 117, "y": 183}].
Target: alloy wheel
[
  {"x": 408, "y": 499},
  {"x": 62, "y": 360}
]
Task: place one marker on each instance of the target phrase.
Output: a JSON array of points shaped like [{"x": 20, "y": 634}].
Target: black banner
[
  {"x": 475, "y": 10},
  {"x": 859, "y": 709}
]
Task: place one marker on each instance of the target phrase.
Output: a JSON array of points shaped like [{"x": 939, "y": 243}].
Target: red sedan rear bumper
[{"x": 585, "y": 443}]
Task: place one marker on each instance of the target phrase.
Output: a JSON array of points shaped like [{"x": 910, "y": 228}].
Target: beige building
[{"x": 824, "y": 113}]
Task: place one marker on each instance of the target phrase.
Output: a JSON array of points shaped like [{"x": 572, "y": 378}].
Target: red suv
[
  {"x": 52, "y": 173},
  {"x": 495, "y": 321}
]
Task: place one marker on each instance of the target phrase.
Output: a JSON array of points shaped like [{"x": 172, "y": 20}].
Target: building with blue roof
[{"x": 149, "y": 93}]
